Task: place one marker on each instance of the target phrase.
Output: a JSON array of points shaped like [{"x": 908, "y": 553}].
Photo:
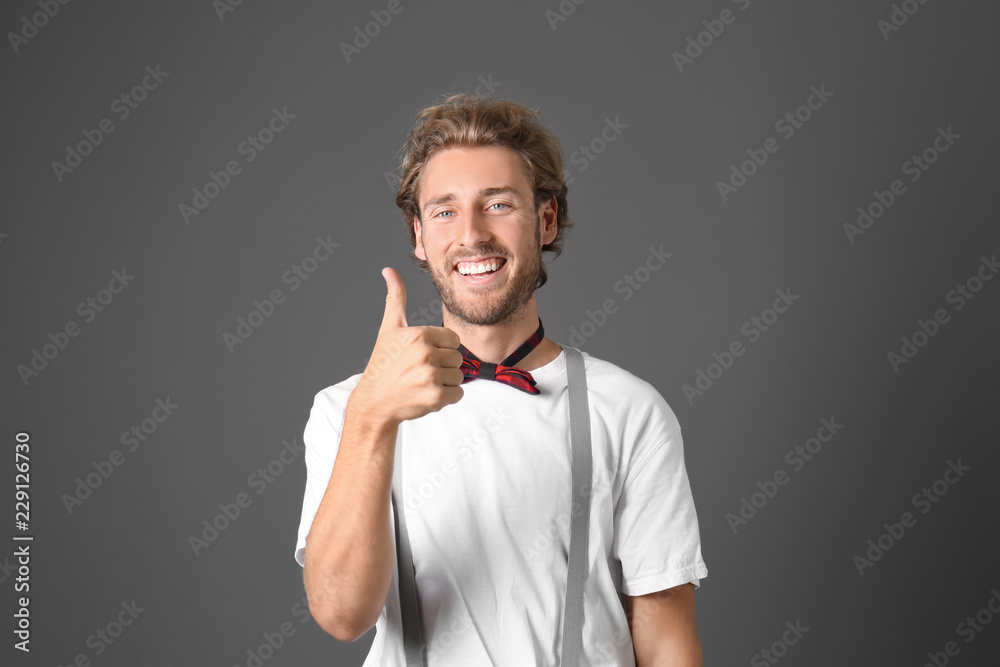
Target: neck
[{"x": 495, "y": 342}]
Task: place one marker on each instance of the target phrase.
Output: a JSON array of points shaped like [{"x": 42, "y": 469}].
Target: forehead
[{"x": 465, "y": 170}]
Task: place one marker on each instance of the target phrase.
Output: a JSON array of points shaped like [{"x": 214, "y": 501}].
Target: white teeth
[{"x": 475, "y": 269}]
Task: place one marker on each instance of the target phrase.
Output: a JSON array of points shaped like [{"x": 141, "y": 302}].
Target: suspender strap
[
  {"x": 572, "y": 646},
  {"x": 579, "y": 424},
  {"x": 409, "y": 602}
]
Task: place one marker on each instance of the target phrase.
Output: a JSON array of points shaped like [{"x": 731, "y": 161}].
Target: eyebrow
[{"x": 485, "y": 192}]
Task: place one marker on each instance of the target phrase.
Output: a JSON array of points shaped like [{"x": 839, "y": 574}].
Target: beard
[{"x": 497, "y": 304}]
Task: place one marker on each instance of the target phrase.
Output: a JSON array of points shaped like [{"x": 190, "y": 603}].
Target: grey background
[{"x": 656, "y": 184}]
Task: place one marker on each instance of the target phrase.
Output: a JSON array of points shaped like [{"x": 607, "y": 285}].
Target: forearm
[
  {"x": 674, "y": 653},
  {"x": 664, "y": 628},
  {"x": 349, "y": 555}
]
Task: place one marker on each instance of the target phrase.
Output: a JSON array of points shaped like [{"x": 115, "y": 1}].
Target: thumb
[{"x": 395, "y": 299}]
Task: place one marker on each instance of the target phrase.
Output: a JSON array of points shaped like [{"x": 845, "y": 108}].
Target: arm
[
  {"x": 349, "y": 554},
  {"x": 664, "y": 629}
]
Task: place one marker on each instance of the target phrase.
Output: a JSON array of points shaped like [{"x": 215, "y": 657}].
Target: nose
[{"x": 474, "y": 229}]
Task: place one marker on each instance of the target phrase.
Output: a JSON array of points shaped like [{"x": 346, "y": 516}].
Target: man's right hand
[{"x": 412, "y": 370}]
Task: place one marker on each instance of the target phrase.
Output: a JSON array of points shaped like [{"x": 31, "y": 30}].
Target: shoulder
[
  {"x": 336, "y": 392},
  {"x": 330, "y": 403},
  {"x": 626, "y": 393}
]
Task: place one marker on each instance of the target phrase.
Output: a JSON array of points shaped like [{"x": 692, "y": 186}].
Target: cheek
[
  {"x": 434, "y": 253},
  {"x": 427, "y": 246}
]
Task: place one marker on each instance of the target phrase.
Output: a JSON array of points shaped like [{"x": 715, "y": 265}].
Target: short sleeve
[
  {"x": 322, "y": 440},
  {"x": 656, "y": 526}
]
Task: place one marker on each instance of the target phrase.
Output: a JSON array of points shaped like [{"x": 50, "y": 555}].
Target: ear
[
  {"x": 549, "y": 216},
  {"x": 418, "y": 250}
]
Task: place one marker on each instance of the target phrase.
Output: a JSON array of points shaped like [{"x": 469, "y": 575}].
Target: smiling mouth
[{"x": 474, "y": 271}]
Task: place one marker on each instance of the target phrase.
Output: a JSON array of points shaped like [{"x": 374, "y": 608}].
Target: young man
[{"x": 486, "y": 450}]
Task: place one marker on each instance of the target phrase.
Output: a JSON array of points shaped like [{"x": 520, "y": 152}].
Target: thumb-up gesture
[{"x": 412, "y": 370}]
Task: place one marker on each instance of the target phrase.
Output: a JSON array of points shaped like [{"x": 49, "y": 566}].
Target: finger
[
  {"x": 395, "y": 300},
  {"x": 447, "y": 377},
  {"x": 443, "y": 357},
  {"x": 453, "y": 395},
  {"x": 452, "y": 377}
]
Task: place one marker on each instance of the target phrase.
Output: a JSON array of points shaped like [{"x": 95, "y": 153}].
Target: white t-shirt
[{"x": 487, "y": 484}]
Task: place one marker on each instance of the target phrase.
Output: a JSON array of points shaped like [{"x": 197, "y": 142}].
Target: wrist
[{"x": 366, "y": 412}]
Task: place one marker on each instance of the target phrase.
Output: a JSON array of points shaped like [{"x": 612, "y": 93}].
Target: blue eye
[
  {"x": 442, "y": 213},
  {"x": 499, "y": 204}
]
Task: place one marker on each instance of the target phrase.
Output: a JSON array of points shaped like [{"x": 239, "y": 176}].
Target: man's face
[{"x": 477, "y": 205}]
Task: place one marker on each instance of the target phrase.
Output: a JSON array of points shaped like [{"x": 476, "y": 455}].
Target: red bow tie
[
  {"x": 504, "y": 372},
  {"x": 515, "y": 377}
]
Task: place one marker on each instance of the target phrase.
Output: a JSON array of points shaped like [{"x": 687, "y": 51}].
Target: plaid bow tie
[{"x": 505, "y": 371}]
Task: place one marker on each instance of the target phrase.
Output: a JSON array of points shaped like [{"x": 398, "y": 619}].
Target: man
[{"x": 488, "y": 463}]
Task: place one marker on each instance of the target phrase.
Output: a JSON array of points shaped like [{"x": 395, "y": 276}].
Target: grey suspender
[
  {"x": 409, "y": 604},
  {"x": 572, "y": 648},
  {"x": 579, "y": 425}
]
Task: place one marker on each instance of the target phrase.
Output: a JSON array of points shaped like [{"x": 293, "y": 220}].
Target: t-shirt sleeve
[
  {"x": 322, "y": 440},
  {"x": 656, "y": 526}
]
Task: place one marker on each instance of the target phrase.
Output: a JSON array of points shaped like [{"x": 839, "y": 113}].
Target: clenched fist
[{"x": 412, "y": 370}]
